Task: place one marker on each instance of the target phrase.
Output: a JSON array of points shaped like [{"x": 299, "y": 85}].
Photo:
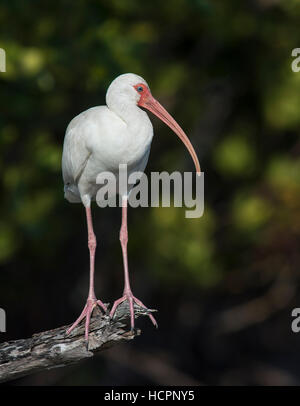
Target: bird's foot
[
  {"x": 87, "y": 313},
  {"x": 131, "y": 300}
]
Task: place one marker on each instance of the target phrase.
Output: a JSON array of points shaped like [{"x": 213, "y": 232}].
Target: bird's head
[{"x": 133, "y": 89}]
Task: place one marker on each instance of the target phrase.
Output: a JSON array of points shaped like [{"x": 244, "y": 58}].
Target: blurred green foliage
[{"x": 223, "y": 70}]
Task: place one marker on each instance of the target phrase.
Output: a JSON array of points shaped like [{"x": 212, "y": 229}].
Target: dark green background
[{"x": 224, "y": 284}]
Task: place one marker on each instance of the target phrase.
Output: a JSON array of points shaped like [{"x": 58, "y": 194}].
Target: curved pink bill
[{"x": 151, "y": 104}]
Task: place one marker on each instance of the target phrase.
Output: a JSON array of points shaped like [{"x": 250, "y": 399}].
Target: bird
[{"x": 98, "y": 140}]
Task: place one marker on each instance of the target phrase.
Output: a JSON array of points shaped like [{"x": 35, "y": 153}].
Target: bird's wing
[{"x": 75, "y": 151}]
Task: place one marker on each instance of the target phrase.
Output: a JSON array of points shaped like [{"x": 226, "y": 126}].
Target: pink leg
[
  {"x": 127, "y": 293},
  {"x": 91, "y": 302}
]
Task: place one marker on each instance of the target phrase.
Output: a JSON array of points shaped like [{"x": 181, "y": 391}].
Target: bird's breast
[{"x": 122, "y": 143}]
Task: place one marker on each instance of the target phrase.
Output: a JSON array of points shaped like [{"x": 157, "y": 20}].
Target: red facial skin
[
  {"x": 150, "y": 103},
  {"x": 144, "y": 94}
]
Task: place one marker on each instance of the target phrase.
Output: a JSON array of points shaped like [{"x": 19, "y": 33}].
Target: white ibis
[{"x": 100, "y": 139}]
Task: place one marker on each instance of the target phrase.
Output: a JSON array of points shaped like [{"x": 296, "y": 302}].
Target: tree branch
[{"x": 53, "y": 348}]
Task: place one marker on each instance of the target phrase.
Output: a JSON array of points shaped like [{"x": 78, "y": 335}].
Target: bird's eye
[{"x": 140, "y": 89}]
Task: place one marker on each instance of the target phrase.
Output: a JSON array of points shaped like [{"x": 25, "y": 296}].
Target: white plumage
[{"x": 103, "y": 137}]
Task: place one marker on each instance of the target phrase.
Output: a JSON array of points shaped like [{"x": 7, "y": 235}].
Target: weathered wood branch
[{"x": 53, "y": 348}]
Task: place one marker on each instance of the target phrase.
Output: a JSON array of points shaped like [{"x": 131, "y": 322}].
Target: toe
[
  {"x": 115, "y": 305},
  {"x": 131, "y": 308},
  {"x": 141, "y": 304},
  {"x": 102, "y": 305},
  {"x": 153, "y": 320}
]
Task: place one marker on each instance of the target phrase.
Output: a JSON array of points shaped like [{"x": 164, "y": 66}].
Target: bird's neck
[{"x": 131, "y": 114}]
